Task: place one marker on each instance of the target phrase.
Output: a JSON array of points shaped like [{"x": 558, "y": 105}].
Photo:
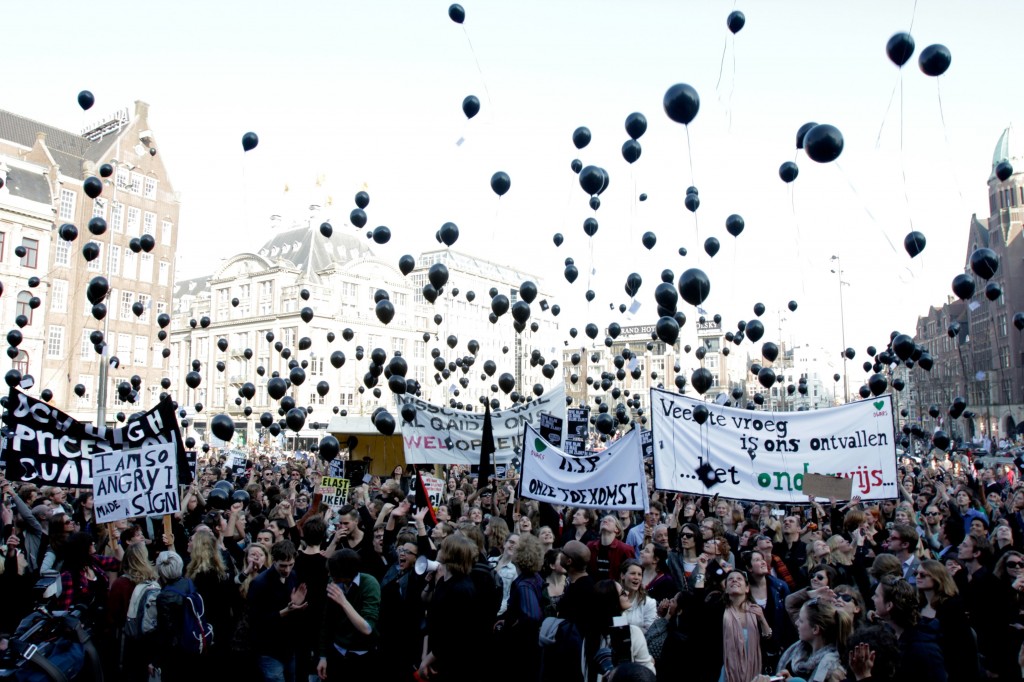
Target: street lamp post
[{"x": 842, "y": 325}]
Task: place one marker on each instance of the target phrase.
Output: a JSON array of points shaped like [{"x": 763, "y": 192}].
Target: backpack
[
  {"x": 142, "y": 610},
  {"x": 561, "y": 646},
  {"x": 196, "y": 633}
]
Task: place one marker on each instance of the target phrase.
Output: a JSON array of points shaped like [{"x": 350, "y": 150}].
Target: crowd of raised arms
[{"x": 490, "y": 586}]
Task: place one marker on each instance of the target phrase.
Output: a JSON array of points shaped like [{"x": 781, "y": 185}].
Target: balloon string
[
  {"x": 949, "y": 147},
  {"x": 480, "y": 70},
  {"x": 721, "y": 67},
  {"x": 913, "y": 14},
  {"x": 799, "y": 239},
  {"x": 732, "y": 87},
  {"x": 865, "y": 206},
  {"x": 903, "y": 166},
  {"x": 888, "y": 108},
  {"x": 689, "y": 154}
]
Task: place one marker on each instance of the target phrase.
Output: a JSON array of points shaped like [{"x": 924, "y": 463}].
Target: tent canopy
[{"x": 385, "y": 452}]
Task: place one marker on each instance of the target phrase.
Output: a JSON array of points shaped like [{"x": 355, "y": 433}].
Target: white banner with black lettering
[
  {"x": 135, "y": 482},
  {"x": 607, "y": 479},
  {"x": 702, "y": 448},
  {"x": 441, "y": 435}
]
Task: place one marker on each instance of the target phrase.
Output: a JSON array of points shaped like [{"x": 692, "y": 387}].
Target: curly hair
[{"x": 528, "y": 556}]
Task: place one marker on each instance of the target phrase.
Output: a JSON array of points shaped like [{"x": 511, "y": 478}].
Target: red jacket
[{"x": 618, "y": 552}]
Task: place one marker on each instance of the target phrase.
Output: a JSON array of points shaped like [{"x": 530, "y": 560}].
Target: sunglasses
[
  {"x": 687, "y": 535},
  {"x": 1014, "y": 564},
  {"x": 845, "y": 597},
  {"x": 921, "y": 575},
  {"x": 931, "y": 513}
]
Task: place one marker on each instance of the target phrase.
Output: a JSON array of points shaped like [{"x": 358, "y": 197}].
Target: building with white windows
[
  {"x": 26, "y": 220},
  {"x": 257, "y": 293},
  {"x": 137, "y": 200}
]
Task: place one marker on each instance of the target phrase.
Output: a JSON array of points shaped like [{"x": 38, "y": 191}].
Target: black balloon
[
  {"x": 711, "y": 246},
  {"x": 734, "y": 225},
  {"x": 702, "y": 380},
  {"x": 681, "y": 103},
  {"x": 963, "y": 286},
  {"x": 934, "y": 60},
  {"x": 631, "y": 151},
  {"x": 877, "y": 384},
  {"x": 501, "y": 183},
  {"x": 984, "y": 263},
  {"x": 457, "y": 14},
  {"x": 914, "y": 243},
  {"x": 406, "y": 264},
  {"x": 1004, "y": 170},
  {"x": 449, "y": 233},
  {"x": 223, "y": 427},
  {"x": 823, "y": 143},
  {"x": 471, "y": 106},
  {"x": 900, "y": 48},
  {"x": 694, "y": 286},
  {"x": 249, "y": 141},
  {"x": 788, "y": 171},
  {"x": 735, "y": 22},
  {"x": 636, "y": 125},
  {"x": 381, "y": 234},
  {"x": 581, "y": 138},
  {"x": 86, "y": 100}
]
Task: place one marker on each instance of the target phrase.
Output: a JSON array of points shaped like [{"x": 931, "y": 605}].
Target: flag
[
  {"x": 701, "y": 311},
  {"x": 486, "y": 450},
  {"x": 423, "y": 500}
]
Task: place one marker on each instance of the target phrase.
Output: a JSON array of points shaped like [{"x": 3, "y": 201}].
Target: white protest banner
[
  {"x": 764, "y": 456},
  {"x": 334, "y": 491},
  {"x": 135, "y": 482},
  {"x": 610, "y": 479},
  {"x": 441, "y": 435},
  {"x": 434, "y": 487}
]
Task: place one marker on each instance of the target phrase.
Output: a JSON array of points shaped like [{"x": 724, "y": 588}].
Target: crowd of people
[{"x": 267, "y": 582}]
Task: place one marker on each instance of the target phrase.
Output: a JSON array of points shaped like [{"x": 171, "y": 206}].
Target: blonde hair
[
  {"x": 205, "y": 557},
  {"x": 836, "y": 557},
  {"x": 136, "y": 565}
]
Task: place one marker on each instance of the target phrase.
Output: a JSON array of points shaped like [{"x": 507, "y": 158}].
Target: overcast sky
[{"x": 369, "y": 94}]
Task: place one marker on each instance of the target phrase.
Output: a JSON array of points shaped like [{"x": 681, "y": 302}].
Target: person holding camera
[{"x": 607, "y": 639}]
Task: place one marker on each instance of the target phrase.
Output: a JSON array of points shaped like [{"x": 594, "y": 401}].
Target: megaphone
[{"x": 425, "y": 565}]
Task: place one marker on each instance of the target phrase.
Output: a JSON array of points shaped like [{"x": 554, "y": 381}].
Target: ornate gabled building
[
  {"x": 257, "y": 294},
  {"x": 137, "y": 199},
  {"x": 984, "y": 360}
]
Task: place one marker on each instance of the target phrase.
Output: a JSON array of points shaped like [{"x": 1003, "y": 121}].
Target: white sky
[{"x": 371, "y": 92}]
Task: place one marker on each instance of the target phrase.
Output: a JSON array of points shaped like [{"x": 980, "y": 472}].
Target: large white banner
[
  {"x": 751, "y": 455},
  {"x": 607, "y": 479},
  {"x": 441, "y": 435}
]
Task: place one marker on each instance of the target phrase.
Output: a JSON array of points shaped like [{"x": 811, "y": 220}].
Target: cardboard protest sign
[
  {"x": 334, "y": 490},
  {"x": 766, "y": 456},
  {"x": 441, "y": 435},
  {"x": 828, "y": 486},
  {"x": 434, "y": 487},
  {"x": 610, "y": 479},
  {"x": 578, "y": 424},
  {"x": 135, "y": 482},
  {"x": 551, "y": 429}
]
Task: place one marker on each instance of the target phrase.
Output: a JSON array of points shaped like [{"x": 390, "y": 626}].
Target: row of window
[
  {"x": 136, "y": 266},
  {"x": 134, "y": 183},
  {"x": 31, "y": 257}
]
